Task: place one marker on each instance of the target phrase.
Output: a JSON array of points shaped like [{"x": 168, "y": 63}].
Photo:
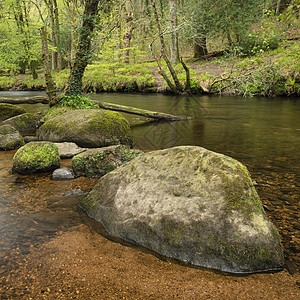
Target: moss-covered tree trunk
[{"x": 82, "y": 56}]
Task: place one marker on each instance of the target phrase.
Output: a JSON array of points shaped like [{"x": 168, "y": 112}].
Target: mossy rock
[
  {"x": 92, "y": 128},
  {"x": 190, "y": 204},
  {"x": 24, "y": 122},
  {"x": 98, "y": 162},
  {"x": 36, "y": 157},
  {"x": 9, "y": 110},
  {"x": 10, "y": 138},
  {"x": 54, "y": 112}
]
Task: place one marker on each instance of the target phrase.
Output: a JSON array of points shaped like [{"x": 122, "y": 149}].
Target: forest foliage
[{"x": 120, "y": 58}]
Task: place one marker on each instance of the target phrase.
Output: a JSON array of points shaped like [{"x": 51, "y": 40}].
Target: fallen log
[
  {"x": 139, "y": 112},
  {"x": 25, "y": 100},
  {"x": 104, "y": 105}
]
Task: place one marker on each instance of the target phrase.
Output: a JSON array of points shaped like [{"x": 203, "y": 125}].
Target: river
[{"x": 264, "y": 134}]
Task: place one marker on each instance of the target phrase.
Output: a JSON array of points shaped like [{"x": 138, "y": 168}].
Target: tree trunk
[
  {"x": 174, "y": 34},
  {"x": 178, "y": 85},
  {"x": 128, "y": 37},
  {"x": 140, "y": 112},
  {"x": 57, "y": 34},
  {"x": 200, "y": 48},
  {"x": 82, "y": 56},
  {"x": 50, "y": 85},
  {"x": 52, "y": 35}
]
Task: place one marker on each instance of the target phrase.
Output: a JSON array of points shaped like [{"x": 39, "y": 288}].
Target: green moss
[
  {"x": 22, "y": 122},
  {"x": 54, "y": 112},
  {"x": 36, "y": 157},
  {"x": 9, "y": 110}
]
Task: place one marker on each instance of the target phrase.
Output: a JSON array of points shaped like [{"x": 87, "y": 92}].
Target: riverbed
[{"x": 49, "y": 249}]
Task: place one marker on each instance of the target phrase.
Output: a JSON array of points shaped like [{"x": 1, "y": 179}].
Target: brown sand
[{"x": 82, "y": 264}]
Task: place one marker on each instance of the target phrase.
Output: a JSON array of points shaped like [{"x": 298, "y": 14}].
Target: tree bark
[
  {"x": 82, "y": 56},
  {"x": 140, "y": 112},
  {"x": 128, "y": 37},
  {"x": 174, "y": 34},
  {"x": 50, "y": 85},
  {"x": 178, "y": 85}
]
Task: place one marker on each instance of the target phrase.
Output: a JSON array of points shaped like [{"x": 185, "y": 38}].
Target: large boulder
[
  {"x": 23, "y": 122},
  {"x": 36, "y": 157},
  {"x": 9, "y": 110},
  {"x": 98, "y": 162},
  {"x": 87, "y": 128},
  {"x": 190, "y": 204},
  {"x": 10, "y": 138}
]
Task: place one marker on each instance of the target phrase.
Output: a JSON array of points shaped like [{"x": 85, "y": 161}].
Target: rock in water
[
  {"x": 62, "y": 174},
  {"x": 191, "y": 204},
  {"x": 10, "y": 138},
  {"x": 22, "y": 122},
  {"x": 98, "y": 162},
  {"x": 9, "y": 110},
  {"x": 36, "y": 157},
  {"x": 87, "y": 128},
  {"x": 68, "y": 150}
]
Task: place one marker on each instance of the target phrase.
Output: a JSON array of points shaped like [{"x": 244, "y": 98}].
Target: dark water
[{"x": 264, "y": 134}]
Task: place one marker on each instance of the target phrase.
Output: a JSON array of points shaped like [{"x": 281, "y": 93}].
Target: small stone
[{"x": 62, "y": 174}]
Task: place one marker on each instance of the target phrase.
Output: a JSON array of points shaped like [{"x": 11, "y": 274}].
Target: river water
[{"x": 264, "y": 134}]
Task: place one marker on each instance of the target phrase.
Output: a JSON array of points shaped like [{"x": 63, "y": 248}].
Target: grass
[{"x": 267, "y": 73}]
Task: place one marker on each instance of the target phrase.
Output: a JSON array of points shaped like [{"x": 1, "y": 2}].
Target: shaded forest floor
[{"x": 271, "y": 73}]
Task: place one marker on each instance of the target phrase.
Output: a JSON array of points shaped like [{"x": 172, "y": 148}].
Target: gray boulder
[
  {"x": 68, "y": 150},
  {"x": 98, "y": 162},
  {"x": 36, "y": 157},
  {"x": 87, "y": 128},
  {"x": 9, "y": 110},
  {"x": 62, "y": 174},
  {"x": 24, "y": 122},
  {"x": 190, "y": 204},
  {"x": 10, "y": 138}
]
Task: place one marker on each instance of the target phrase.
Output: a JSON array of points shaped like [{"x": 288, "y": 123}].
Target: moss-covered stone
[
  {"x": 22, "y": 122},
  {"x": 9, "y": 110},
  {"x": 87, "y": 128},
  {"x": 98, "y": 162},
  {"x": 36, "y": 157},
  {"x": 54, "y": 112},
  {"x": 10, "y": 138},
  {"x": 190, "y": 204}
]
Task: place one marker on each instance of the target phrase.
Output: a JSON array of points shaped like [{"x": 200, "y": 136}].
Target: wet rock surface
[{"x": 23, "y": 122}]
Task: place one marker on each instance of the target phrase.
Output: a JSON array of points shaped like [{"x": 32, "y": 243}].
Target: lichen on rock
[{"x": 191, "y": 204}]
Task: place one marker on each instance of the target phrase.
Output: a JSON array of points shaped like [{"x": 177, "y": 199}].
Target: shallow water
[{"x": 264, "y": 134}]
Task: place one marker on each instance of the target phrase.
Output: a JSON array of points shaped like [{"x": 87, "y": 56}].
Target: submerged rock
[
  {"x": 87, "y": 128},
  {"x": 9, "y": 110},
  {"x": 36, "y": 157},
  {"x": 190, "y": 204},
  {"x": 62, "y": 174},
  {"x": 22, "y": 122},
  {"x": 98, "y": 162},
  {"x": 10, "y": 138}
]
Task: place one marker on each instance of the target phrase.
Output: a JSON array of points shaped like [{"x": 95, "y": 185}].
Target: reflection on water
[{"x": 263, "y": 134}]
